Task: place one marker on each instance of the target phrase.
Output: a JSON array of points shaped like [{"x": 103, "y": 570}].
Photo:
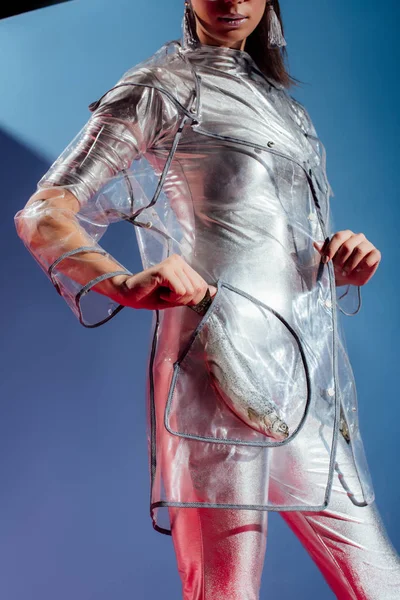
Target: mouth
[{"x": 235, "y": 20}]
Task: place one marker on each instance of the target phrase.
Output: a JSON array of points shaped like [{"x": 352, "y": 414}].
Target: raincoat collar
[{"x": 229, "y": 60}]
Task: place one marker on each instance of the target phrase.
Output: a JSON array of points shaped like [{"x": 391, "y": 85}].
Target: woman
[{"x": 251, "y": 398}]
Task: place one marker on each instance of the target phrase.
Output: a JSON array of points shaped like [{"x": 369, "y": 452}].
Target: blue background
[{"x": 73, "y": 451}]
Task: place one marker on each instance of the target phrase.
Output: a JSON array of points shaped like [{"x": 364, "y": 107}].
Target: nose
[
  {"x": 233, "y": 2},
  {"x": 229, "y": 1}
]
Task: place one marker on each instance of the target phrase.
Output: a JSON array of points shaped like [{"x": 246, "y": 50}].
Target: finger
[
  {"x": 193, "y": 292},
  {"x": 319, "y": 245},
  {"x": 358, "y": 254},
  {"x": 347, "y": 248},
  {"x": 190, "y": 289},
  {"x": 333, "y": 246},
  {"x": 199, "y": 284},
  {"x": 369, "y": 264},
  {"x": 175, "y": 286},
  {"x": 182, "y": 270},
  {"x": 213, "y": 290}
]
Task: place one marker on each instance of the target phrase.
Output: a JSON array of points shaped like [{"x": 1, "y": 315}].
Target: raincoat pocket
[{"x": 242, "y": 378}]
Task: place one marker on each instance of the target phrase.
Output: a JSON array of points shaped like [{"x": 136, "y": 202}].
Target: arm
[
  {"x": 50, "y": 223},
  {"x": 66, "y": 215},
  {"x": 63, "y": 221}
]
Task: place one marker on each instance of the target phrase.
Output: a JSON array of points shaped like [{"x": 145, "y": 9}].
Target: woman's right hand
[{"x": 171, "y": 282}]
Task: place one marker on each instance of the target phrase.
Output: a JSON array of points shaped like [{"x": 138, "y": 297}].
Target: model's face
[{"x": 213, "y": 29}]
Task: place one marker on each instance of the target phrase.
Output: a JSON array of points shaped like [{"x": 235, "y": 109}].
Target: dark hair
[{"x": 270, "y": 61}]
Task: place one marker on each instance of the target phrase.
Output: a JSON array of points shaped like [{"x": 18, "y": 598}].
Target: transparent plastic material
[
  {"x": 94, "y": 169},
  {"x": 63, "y": 260},
  {"x": 211, "y": 160}
]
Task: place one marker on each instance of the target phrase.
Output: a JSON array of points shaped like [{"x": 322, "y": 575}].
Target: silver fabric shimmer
[
  {"x": 211, "y": 160},
  {"x": 220, "y": 553}
]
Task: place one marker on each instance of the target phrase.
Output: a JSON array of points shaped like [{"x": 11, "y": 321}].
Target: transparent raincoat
[{"x": 209, "y": 159}]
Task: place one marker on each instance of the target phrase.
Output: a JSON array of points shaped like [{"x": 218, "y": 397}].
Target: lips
[
  {"x": 232, "y": 23},
  {"x": 235, "y": 17}
]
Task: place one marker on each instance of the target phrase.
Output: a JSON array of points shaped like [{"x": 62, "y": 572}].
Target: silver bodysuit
[{"x": 211, "y": 160}]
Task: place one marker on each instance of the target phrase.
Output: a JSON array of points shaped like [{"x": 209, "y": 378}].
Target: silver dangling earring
[
  {"x": 275, "y": 34},
  {"x": 189, "y": 35}
]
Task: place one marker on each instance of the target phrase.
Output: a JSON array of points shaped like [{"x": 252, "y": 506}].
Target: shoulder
[
  {"x": 164, "y": 72},
  {"x": 301, "y": 114}
]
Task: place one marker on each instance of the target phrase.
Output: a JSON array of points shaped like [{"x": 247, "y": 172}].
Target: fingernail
[
  {"x": 344, "y": 273},
  {"x": 325, "y": 258}
]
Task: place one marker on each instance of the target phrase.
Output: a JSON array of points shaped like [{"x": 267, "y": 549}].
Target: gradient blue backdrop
[{"x": 73, "y": 453}]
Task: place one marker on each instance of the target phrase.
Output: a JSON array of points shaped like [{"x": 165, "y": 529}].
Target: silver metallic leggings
[{"x": 220, "y": 552}]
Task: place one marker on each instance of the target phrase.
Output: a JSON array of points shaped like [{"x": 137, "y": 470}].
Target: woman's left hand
[{"x": 354, "y": 258}]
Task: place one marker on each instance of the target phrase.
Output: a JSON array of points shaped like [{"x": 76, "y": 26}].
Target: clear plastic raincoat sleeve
[{"x": 94, "y": 167}]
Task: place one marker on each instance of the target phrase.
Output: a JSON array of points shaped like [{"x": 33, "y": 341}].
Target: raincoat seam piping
[
  {"x": 165, "y": 170},
  {"x": 250, "y": 145},
  {"x": 258, "y": 507},
  {"x": 328, "y": 490},
  {"x": 170, "y": 96},
  {"x": 153, "y": 424}
]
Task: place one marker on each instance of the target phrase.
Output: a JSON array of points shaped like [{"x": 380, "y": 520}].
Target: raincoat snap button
[
  {"x": 312, "y": 217},
  {"x": 270, "y": 144},
  {"x": 148, "y": 224},
  {"x": 328, "y": 303},
  {"x": 330, "y": 392}
]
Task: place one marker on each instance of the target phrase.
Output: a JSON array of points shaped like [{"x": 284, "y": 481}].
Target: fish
[
  {"x": 344, "y": 428},
  {"x": 232, "y": 378}
]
